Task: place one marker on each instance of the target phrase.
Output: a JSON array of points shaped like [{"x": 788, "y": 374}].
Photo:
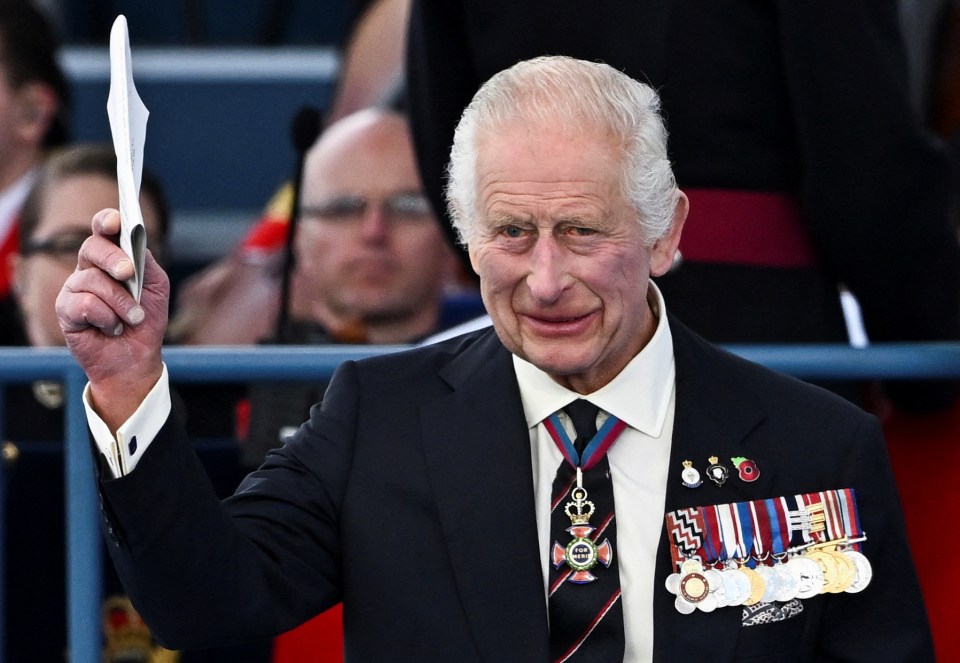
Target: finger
[
  {"x": 81, "y": 311},
  {"x": 106, "y": 222},
  {"x": 90, "y": 298},
  {"x": 99, "y": 252}
]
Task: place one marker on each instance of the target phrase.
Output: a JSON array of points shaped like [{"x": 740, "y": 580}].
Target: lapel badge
[
  {"x": 747, "y": 468},
  {"x": 690, "y": 475},
  {"x": 582, "y": 553},
  {"x": 717, "y": 472}
]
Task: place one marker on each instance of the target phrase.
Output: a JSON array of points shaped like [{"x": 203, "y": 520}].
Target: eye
[
  {"x": 575, "y": 230},
  {"x": 512, "y": 231},
  {"x": 340, "y": 209}
]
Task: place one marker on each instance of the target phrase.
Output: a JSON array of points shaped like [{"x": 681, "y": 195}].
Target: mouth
[
  {"x": 559, "y": 326},
  {"x": 371, "y": 268}
]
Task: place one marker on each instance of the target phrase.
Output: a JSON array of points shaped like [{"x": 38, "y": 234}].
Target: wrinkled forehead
[{"x": 551, "y": 155}]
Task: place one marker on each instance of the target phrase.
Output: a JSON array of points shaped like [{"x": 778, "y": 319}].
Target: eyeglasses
[
  {"x": 400, "y": 208},
  {"x": 64, "y": 245}
]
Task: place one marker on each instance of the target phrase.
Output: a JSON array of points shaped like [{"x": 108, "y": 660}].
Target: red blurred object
[
  {"x": 925, "y": 453},
  {"x": 320, "y": 640}
]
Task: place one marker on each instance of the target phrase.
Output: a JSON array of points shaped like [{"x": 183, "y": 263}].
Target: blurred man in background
[
  {"x": 371, "y": 262},
  {"x": 71, "y": 186},
  {"x": 33, "y": 118}
]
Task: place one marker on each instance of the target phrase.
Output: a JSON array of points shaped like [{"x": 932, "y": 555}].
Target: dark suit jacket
[{"x": 408, "y": 495}]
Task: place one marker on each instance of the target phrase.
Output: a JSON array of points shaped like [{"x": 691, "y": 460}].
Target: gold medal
[
  {"x": 757, "y": 586},
  {"x": 848, "y": 571},
  {"x": 830, "y": 568},
  {"x": 839, "y": 572}
]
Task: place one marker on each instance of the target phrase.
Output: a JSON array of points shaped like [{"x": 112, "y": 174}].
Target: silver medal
[
  {"x": 741, "y": 585},
  {"x": 864, "y": 570},
  {"x": 771, "y": 583},
  {"x": 683, "y": 606},
  {"x": 673, "y": 583},
  {"x": 788, "y": 582},
  {"x": 715, "y": 579},
  {"x": 810, "y": 575}
]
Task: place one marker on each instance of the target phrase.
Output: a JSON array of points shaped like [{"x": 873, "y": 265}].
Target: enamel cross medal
[{"x": 582, "y": 553}]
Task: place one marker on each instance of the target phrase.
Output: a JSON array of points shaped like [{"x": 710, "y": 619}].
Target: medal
[
  {"x": 762, "y": 538},
  {"x": 788, "y": 582},
  {"x": 756, "y": 585},
  {"x": 717, "y": 472},
  {"x": 848, "y": 571},
  {"x": 765, "y": 551},
  {"x": 736, "y": 585},
  {"x": 771, "y": 583},
  {"x": 715, "y": 580},
  {"x": 581, "y": 554},
  {"x": 685, "y": 527},
  {"x": 829, "y": 567},
  {"x": 692, "y": 587},
  {"x": 864, "y": 571},
  {"x": 683, "y": 606},
  {"x": 690, "y": 476},
  {"x": 839, "y": 571},
  {"x": 809, "y": 575}
]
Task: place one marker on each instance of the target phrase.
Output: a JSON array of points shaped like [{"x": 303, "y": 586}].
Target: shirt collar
[{"x": 639, "y": 395}]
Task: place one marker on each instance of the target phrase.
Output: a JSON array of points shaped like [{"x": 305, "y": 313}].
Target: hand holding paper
[{"x": 128, "y": 126}]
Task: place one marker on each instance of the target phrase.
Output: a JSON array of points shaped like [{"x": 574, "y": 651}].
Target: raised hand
[{"x": 116, "y": 341}]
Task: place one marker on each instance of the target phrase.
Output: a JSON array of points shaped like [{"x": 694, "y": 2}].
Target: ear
[
  {"x": 36, "y": 105},
  {"x": 472, "y": 253},
  {"x": 665, "y": 249}
]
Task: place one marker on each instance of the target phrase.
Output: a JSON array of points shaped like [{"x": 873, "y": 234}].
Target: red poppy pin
[{"x": 747, "y": 468}]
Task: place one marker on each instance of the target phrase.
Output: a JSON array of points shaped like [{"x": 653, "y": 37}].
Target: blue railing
[{"x": 208, "y": 364}]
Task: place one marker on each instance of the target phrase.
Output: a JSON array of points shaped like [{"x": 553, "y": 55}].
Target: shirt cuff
[{"x": 124, "y": 451}]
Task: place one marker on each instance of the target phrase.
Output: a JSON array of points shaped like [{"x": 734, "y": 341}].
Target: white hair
[{"x": 580, "y": 94}]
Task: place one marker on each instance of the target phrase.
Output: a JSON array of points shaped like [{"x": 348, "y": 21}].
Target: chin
[{"x": 558, "y": 363}]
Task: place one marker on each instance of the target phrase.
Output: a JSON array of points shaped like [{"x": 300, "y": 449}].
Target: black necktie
[{"x": 586, "y": 618}]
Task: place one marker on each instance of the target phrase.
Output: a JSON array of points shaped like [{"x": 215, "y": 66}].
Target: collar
[{"x": 639, "y": 395}]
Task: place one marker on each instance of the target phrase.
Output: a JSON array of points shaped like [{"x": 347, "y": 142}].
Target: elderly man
[{"x": 437, "y": 492}]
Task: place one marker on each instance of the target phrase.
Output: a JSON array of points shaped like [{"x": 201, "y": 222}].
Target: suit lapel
[
  {"x": 477, "y": 450},
  {"x": 713, "y": 416},
  {"x": 478, "y": 457}
]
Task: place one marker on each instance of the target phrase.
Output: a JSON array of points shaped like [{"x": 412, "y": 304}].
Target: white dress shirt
[
  {"x": 642, "y": 396},
  {"x": 124, "y": 451}
]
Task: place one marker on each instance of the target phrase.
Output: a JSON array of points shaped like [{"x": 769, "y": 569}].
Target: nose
[
  {"x": 548, "y": 275},
  {"x": 375, "y": 224}
]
